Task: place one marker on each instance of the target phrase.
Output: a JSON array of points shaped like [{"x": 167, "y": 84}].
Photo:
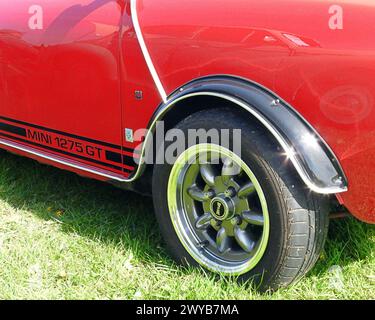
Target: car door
[{"x": 59, "y": 78}]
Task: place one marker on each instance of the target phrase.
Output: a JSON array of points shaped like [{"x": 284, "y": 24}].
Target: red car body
[{"x": 76, "y": 74}]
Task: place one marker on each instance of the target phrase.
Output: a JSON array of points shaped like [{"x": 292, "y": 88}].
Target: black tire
[{"x": 298, "y": 217}]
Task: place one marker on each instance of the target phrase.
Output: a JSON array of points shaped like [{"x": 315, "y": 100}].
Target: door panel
[{"x": 59, "y": 77}]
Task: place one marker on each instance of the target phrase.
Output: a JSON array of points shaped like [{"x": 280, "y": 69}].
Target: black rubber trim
[{"x": 320, "y": 165}]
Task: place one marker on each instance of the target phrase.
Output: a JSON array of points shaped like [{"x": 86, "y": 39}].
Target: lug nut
[
  {"x": 210, "y": 194},
  {"x": 236, "y": 220},
  {"x": 217, "y": 223},
  {"x": 231, "y": 192}
]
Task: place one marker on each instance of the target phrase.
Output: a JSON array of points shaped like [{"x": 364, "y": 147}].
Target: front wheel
[{"x": 248, "y": 216}]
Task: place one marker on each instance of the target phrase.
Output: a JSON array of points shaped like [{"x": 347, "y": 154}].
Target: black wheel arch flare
[{"x": 311, "y": 156}]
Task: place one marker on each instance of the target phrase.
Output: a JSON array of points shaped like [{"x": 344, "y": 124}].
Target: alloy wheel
[{"x": 218, "y": 209}]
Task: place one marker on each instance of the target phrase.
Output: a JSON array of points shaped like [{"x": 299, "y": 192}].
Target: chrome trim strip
[
  {"x": 145, "y": 51},
  {"x": 47, "y": 157}
]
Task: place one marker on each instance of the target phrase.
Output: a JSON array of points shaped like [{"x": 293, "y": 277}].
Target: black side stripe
[
  {"x": 129, "y": 161},
  {"x": 113, "y": 156},
  {"x": 119, "y": 158},
  {"x": 66, "y": 153},
  {"x": 13, "y": 129},
  {"x": 129, "y": 150},
  {"x": 106, "y": 144}
]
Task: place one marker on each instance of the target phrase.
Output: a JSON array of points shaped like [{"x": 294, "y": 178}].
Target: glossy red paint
[
  {"x": 78, "y": 74},
  {"x": 66, "y": 75},
  {"x": 287, "y": 46}
]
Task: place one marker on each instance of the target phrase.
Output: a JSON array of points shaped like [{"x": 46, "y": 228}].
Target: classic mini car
[{"x": 86, "y": 84}]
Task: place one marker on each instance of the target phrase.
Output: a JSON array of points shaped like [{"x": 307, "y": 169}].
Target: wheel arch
[{"x": 310, "y": 155}]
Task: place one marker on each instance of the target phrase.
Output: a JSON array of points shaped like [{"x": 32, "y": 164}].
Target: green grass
[{"x": 66, "y": 237}]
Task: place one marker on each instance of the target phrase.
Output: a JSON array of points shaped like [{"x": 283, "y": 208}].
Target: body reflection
[{"x": 68, "y": 19}]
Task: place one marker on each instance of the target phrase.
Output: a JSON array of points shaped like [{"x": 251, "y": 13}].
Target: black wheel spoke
[
  {"x": 208, "y": 173},
  {"x": 222, "y": 240},
  {"x": 246, "y": 190},
  {"x": 229, "y": 170},
  {"x": 244, "y": 239},
  {"x": 197, "y": 194},
  {"x": 204, "y": 221},
  {"x": 253, "y": 217}
]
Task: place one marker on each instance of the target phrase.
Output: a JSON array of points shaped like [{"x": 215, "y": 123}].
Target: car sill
[{"x": 60, "y": 160}]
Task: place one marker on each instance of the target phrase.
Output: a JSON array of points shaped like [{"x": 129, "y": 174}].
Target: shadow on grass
[
  {"x": 87, "y": 207},
  {"x": 104, "y": 213}
]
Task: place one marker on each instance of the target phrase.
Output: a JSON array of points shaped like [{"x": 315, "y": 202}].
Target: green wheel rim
[{"x": 218, "y": 209}]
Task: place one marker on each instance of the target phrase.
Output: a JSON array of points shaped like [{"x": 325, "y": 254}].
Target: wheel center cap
[{"x": 222, "y": 208}]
